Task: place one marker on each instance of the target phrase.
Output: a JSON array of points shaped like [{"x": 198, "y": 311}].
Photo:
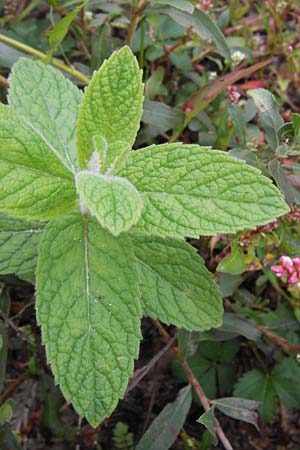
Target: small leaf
[
  {"x": 49, "y": 102},
  {"x": 258, "y": 386},
  {"x": 269, "y": 117},
  {"x": 34, "y": 181},
  {"x": 153, "y": 84},
  {"x": 112, "y": 200},
  {"x": 19, "y": 241},
  {"x": 88, "y": 308},
  {"x": 239, "y": 408},
  {"x": 112, "y": 104},
  {"x": 234, "y": 262},
  {"x": 183, "y": 5},
  {"x": 164, "y": 429},
  {"x": 276, "y": 170},
  {"x": 212, "y": 366},
  {"x": 60, "y": 29},
  {"x": 192, "y": 190},
  {"x": 175, "y": 285},
  {"x": 210, "y": 422},
  {"x": 204, "y": 26},
  {"x": 162, "y": 116}
]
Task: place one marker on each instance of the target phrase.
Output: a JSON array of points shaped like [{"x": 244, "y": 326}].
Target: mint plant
[{"x": 109, "y": 222}]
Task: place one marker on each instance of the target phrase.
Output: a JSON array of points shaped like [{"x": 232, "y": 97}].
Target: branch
[
  {"x": 196, "y": 385},
  {"x": 55, "y": 62}
]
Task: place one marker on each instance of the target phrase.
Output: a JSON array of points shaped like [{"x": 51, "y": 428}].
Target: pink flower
[{"x": 288, "y": 269}]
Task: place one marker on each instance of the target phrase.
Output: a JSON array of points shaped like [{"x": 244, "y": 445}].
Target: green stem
[{"x": 55, "y": 62}]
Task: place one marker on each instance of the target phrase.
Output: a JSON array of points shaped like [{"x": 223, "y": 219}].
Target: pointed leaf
[
  {"x": 49, "y": 102},
  {"x": 189, "y": 190},
  {"x": 175, "y": 285},
  {"x": 88, "y": 308},
  {"x": 112, "y": 104},
  {"x": 60, "y": 29},
  {"x": 165, "y": 428},
  {"x": 34, "y": 182},
  {"x": 269, "y": 117},
  {"x": 204, "y": 26},
  {"x": 239, "y": 408},
  {"x": 19, "y": 241},
  {"x": 113, "y": 200},
  {"x": 210, "y": 422}
]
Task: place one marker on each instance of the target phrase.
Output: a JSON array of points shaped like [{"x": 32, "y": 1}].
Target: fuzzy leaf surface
[
  {"x": 34, "y": 182},
  {"x": 189, "y": 190},
  {"x": 49, "y": 102},
  {"x": 112, "y": 104},
  {"x": 19, "y": 241},
  {"x": 175, "y": 285},
  {"x": 112, "y": 200},
  {"x": 89, "y": 310}
]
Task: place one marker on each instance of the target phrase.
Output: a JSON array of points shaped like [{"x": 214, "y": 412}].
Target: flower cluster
[{"x": 288, "y": 270}]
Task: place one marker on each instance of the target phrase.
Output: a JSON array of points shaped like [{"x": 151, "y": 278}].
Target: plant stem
[
  {"x": 38, "y": 54},
  {"x": 13, "y": 386},
  {"x": 135, "y": 10},
  {"x": 196, "y": 385}
]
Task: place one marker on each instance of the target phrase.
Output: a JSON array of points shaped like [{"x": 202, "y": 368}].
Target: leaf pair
[{"x": 110, "y": 251}]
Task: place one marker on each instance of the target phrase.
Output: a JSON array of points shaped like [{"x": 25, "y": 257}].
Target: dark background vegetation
[{"x": 196, "y": 94}]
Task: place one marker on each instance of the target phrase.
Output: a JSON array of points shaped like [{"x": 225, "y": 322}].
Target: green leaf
[
  {"x": 19, "y": 241},
  {"x": 234, "y": 262},
  {"x": 60, "y": 29},
  {"x": 239, "y": 408},
  {"x": 162, "y": 116},
  {"x": 212, "y": 366},
  {"x": 49, "y": 103},
  {"x": 204, "y": 26},
  {"x": 269, "y": 117},
  {"x": 256, "y": 385},
  {"x": 112, "y": 200},
  {"x": 175, "y": 285},
  {"x": 165, "y": 428},
  {"x": 34, "y": 182},
  {"x": 285, "y": 378},
  {"x": 89, "y": 310},
  {"x": 210, "y": 422},
  {"x": 183, "y": 5},
  {"x": 189, "y": 190},
  {"x": 112, "y": 104}
]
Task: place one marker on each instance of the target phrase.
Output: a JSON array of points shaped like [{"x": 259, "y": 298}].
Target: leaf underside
[
  {"x": 189, "y": 190},
  {"x": 113, "y": 200},
  {"x": 175, "y": 285},
  {"x": 88, "y": 308}
]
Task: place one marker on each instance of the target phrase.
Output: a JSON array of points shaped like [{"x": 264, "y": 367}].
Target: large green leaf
[
  {"x": 189, "y": 190},
  {"x": 49, "y": 102},
  {"x": 175, "y": 285},
  {"x": 112, "y": 104},
  {"x": 34, "y": 182},
  {"x": 89, "y": 310},
  {"x": 112, "y": 200},
  {"x": 19, "y": 241}
]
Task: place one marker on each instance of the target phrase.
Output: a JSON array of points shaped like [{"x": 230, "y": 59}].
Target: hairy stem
[{"x": 38, "y": 54}]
